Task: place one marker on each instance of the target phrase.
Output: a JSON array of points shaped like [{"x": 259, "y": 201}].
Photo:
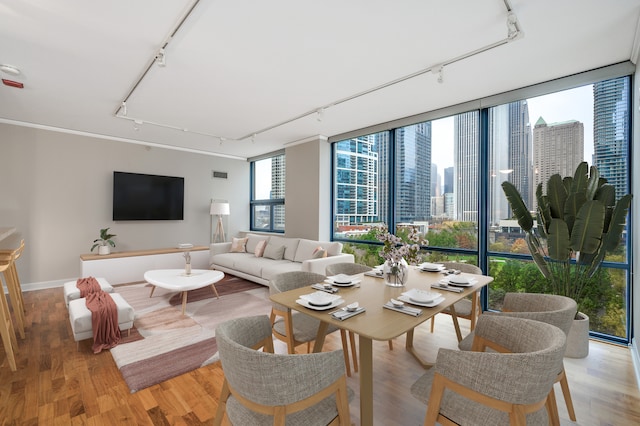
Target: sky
[{"x": 574, "y": 104}]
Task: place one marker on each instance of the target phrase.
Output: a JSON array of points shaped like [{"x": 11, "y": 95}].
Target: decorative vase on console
[
  {"x": 187, "y": 265},
  {"x": 398, "y": 253}
]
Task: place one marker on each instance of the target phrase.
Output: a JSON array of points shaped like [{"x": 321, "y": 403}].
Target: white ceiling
[{"x": 238, "y": 68}]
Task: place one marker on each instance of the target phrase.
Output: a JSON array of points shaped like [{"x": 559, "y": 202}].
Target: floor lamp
[{"x": 219, "y": 209}]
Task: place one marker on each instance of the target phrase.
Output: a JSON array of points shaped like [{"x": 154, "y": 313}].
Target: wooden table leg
[
  {"x": 366, "y": 381},
  {"x": 213, "y": 286},
  {"x": 153, "y": 288},
  {"x": 409, "y": 346},
  {"x": 184, "y": 302},
  {"x": 322, "y": 332}
]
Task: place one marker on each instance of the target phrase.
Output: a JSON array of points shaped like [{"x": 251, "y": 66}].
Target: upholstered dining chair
[
  {"x": 468, "y": 308},
  {"x": 296, "y": 328},
  {"x": 549, "y": 308},
  {"x": 262, "y": 388},
  {"x": 494, "y": 388}
]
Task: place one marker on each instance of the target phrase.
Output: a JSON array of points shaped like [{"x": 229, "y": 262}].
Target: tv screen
[{"x": 147, "y": 197}]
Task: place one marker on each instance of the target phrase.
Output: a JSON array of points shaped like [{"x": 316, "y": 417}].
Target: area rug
[{"x": 168, "y": 344}]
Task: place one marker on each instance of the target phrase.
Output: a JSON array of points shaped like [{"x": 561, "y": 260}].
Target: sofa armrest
[
  {"x": 319, "y": 265},
  {"x": 218, "y": 248}
]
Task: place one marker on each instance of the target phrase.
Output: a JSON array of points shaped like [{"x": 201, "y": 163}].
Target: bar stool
[
  {"x": 6, "y": 327},
  {"x": 12, "y": 282}
]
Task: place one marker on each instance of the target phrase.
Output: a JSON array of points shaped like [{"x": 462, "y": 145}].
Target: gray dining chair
[
  {"x": 549, "y": 308},
  {"x": 263, "y": 388},
  {"x": 468, "y": 308},
  {"x": 496, "y": 388},
  {"x": 296, "y": 328}
]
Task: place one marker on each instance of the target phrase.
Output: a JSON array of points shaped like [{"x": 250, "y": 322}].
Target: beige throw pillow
[
  {"x": 318, "y": 253},
  {"x": 274, "y": 252},
  {"x": 238, "y": 245},
  {"x": 259, "y": 251}
]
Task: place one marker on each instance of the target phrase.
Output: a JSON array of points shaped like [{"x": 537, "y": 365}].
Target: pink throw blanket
[{"x": 104, "y": 314}]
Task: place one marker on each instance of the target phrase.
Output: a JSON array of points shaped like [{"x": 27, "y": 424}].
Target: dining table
[{"x": 379, "y": 323}]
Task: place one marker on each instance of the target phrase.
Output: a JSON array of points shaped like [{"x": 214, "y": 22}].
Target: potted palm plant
[
  {"x": 578, "y": 222},
  {"x": 104, "y": 243}
]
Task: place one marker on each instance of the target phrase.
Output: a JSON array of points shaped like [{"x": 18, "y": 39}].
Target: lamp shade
[{"x": 218, "y": 208}]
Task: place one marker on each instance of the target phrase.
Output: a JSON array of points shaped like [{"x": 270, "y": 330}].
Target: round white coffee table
[{"x": 178, "y": 280}]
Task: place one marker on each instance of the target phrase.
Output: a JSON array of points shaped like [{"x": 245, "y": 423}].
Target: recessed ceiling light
[{"x": 9, "y": 69}]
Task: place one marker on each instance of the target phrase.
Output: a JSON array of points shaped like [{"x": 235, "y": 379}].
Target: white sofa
[{"x": 298, "y": 256}]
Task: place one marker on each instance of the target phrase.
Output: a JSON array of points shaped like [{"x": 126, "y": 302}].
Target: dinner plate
[
  {"x": 349, "y": 284},
  {"x": 319, "y": 298},
  {"x": 421, "y": 296},
  {"x": 332, "y": 305},
  {"x": 470, "y": 283},
  {"x": 431, "y": 267},
  {"x": 431, "y": 304}
]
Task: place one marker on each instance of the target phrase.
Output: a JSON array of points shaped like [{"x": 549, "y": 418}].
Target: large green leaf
[
  {"x": 559, "y": 241},
  {"x": 538, "y": 258},
  {"x": 616, "y": 225},
  {"x": 593, "y": 184},
  {"x": 520, "y": 210},
  {"x": 606, "y": 194},
  {"x": 580, "y": 178},
  {"x": 588, "y": 228},
  {"x": 572, "y": 207},
  {"x": 557, "y": 195},
  {"x": 544, "y": 211}
]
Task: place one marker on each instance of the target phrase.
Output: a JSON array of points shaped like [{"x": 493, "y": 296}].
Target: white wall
[{"x": 56, "y": 189}]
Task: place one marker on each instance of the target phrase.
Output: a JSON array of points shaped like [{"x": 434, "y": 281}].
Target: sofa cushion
[
  {"x": 253, "y": 240},
  {"x": 274, "y": 251},
  {"x": 333, "y": 248},
  {"x": 252, "y": 265},
  {"x": 274, "y": 268},
  {"x": 238, "y": 245},
  {"x": 259, "y": 250},
  {"x": 291, "y": 245},
  {"x": 227, "y": 260},
  {"x": 305, "y": 250}
]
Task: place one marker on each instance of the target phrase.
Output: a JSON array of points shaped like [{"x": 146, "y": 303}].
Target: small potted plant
[{"x": 104, "y": 242}]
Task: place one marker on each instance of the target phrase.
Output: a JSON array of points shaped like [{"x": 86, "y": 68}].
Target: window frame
[{"x": 270, "y": 203}]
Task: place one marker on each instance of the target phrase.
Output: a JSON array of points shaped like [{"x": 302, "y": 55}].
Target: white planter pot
[
  {"x": 104, "y": 250},
  {"x": 578, "y": 338}
]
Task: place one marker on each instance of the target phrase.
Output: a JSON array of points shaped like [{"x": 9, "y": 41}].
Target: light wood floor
[{"x": 55, "y": 384}]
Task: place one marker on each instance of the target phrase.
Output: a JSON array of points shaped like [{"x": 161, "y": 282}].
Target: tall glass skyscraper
[
  {"x": 611, "y": 131},
  {"x": 466, "y": 162},
  {"x": 413, "y": 173}
]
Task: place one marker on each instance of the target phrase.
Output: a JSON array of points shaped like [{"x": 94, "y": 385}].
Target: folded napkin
[
  {"x": 322, "y": 288},
  {"x": 404, "y": 309},
  {"x": 444, "y": 286},
  {"x": 343, "y": 314},
  {"x": 374, "y": 273}
]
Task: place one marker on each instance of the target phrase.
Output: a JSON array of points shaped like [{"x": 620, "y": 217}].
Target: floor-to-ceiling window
[
  {"x": 268, "y": 193},
  {"x": 443, "y": 176}
]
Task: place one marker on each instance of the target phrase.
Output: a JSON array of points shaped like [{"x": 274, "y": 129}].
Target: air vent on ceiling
[{"x": 221, "y": 175}]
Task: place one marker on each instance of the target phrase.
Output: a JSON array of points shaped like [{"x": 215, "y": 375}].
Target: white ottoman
[
  {"x": 72, "y": 292},
  {"x": 80, "y": 317}
]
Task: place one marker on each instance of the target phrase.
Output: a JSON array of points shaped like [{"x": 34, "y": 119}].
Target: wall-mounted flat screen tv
[{"x": 147, "y": 197}]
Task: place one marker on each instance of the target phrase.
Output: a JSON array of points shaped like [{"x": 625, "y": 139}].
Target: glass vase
[{"x": 395, "y": 274}]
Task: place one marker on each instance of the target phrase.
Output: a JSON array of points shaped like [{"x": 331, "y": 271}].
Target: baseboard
[
  {"x": 635, "y": 358},
  {"x": 44, "y": 284}
]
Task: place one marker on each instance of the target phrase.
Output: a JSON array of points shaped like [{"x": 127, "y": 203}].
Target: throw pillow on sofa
[
  {"x": 238, "y": 245},
  {"x": 274, "y": 252},
  {"x": 319, "y": 252},
  {"x": 259, "y": 251}
]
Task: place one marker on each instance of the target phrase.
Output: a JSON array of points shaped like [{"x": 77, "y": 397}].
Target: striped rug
[{"x": 167, "y": 343}]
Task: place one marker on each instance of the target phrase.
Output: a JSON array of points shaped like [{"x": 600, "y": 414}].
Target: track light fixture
[
  {"x": 320, "y": 114},
  {"x": 137, "y": 124},
  {"x": 512, "y": 25},
  {"x": 438, "y": 70},
  {"x": 160, "y": 58},
  {"x": 123, "y": 108}
]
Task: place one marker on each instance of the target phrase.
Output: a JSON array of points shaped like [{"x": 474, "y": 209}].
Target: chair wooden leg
[
  {"x": 390, "y": 344},
  {"x": 552, "y": 409},
  {"x": 222, "y": 404},
  {"x": 433, "y": 321},
  {"x": 564, "y": 384}
]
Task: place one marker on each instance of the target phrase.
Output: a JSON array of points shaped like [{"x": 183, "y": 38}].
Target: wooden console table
[{"x": 130, "y": 266}]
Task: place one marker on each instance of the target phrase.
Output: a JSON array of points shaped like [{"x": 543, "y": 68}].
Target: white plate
[
  {"x": 471, "y": 282},
  {"x": 431, "y": 304},
  {"x": 319, "y": 298},
  {"x": 421, "y": 296},
  {"x": 431, "y": 267},
  {"x": 349, "y": 284},
  {"x": 332, "y": 305}
]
